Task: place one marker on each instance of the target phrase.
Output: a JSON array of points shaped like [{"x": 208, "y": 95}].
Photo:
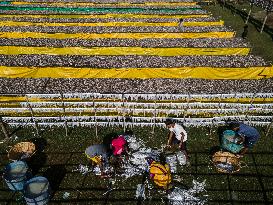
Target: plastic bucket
[
  {"x": 37, "y": 191},
  {"x": 229, "y": 142},
  {"x": 15, "y": 175}
]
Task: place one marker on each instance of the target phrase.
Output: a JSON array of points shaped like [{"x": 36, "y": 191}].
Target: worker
[
  {"x": 159, "y": 172},
  {"x": 248, "y": 135},
  {"x": 177, "y": 135},
  {"x": 99, "y": 156}
]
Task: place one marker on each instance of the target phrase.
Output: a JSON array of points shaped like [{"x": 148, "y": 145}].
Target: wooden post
[
  {"x": 4, "y": 128},
  {"x": 248, "y": 110},
  {"x": 237, "y": 111},
  {"x": 32, "y": 116},
  {"x": 133, "y": 117},
  {"x": 265, "y": 18},
  {"x": 96, "y": 123},
  {"x": 65, "y": 121},
  {"x": 249, "y": 13},
  {"x": 186, "y": 109},
  {"x": 268, "y": 128},
  {"x": 123, "y": 113},
  {"x": 153, "y": 130}
]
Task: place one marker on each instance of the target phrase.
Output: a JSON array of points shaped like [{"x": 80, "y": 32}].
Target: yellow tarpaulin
[
  {"x": 8, "y": 101},
  {"x": 133, "y": 73},
  {"x": 203, "y": 23},
  {"x": 116, "y": 35},
  {"x": 19, "y": 50},
  {"x": 116, "y": 24},
  {"x": 76, "y": 4},
  {"x": 83, "y": 16}
]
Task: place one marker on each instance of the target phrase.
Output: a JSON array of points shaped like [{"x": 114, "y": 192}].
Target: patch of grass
[
  {"x": 261, "y": 43},
  {"x": 66, "y": 153}
]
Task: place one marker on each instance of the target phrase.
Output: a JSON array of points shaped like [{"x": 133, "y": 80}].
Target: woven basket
[
  {"x": 226, "y": 162},
  {"x": 22, "y": 150}
]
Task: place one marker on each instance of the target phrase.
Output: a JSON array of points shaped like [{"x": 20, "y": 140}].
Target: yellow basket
[
  {"x": 22, "y": 150},
  {"x": 226, "y": 162}
]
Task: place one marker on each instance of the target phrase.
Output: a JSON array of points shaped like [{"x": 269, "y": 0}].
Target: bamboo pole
[
  {"x": 248, "y": 110},
  {"x": 269, "y": 127},
  {"x": 155, "y": 105},
  {"x": 96, "y": 122},
  {"x": 4, "y": 128},
  {"x": 186, "y": 109},
  {"x": 133, "y": 117},
  {"x": 64, "y": 115},
  {"x": 265, "y": 18},
  {"x": 123, "y": 113},
  {"x": 32, "y": 116},
  {"x": 249, "y": 13}
]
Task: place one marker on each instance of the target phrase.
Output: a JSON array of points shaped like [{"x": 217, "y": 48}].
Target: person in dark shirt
[
  {"x": 245, "y": 32},
  {"x": 249, "y": 135},
  {"x": 180, "y": 25}
]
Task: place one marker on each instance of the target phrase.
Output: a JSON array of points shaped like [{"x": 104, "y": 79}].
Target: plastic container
[
  {"x": 37, "y": 191},
  {"x": 15, "y": 175}
]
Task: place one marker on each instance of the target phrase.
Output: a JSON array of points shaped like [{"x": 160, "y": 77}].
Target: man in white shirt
[{"x": 177, "y": 135}]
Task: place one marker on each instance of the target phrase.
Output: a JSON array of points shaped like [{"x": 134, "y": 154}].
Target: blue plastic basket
[
  {"x": 15, "y": 175},
  {"x": 41, "y": 195}
]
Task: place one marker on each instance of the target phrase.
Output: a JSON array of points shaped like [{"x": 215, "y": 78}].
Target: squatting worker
[
  {"x": 177, "y": 135},
  {"x": 249, "y": 135},
  {"x": 180, "y": 25},
  {"x": 98, "y": 155},
  {"x": 159, "y": 172}
]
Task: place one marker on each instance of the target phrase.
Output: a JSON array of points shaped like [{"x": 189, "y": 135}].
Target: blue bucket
[
  {"x": 37, "y": 191},
  {"x": 229, "y": 142},
  {"x": 15, "y": 175}
]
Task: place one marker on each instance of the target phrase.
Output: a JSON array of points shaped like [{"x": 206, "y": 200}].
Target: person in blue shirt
[{"x": 249, "y": 135}]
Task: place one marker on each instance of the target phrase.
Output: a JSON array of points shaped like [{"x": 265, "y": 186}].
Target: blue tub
[
  {"x": 37, "y": 191},
  {"x": 229, "y": 142},
  {"x": 15, "y": 175}
]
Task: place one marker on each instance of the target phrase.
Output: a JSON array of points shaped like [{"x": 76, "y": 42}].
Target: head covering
[{"x": 118, "y": 145}]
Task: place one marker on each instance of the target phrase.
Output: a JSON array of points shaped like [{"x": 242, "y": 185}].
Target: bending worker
[
  {"x": 177, "y": 135},
  {"x": 159, "y": 172},
  {"x": 248, "y": 135},
  {"x": 98, "y": 156}
]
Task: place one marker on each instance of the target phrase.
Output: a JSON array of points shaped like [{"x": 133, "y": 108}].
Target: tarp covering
[
  {"x": 19, "y": 50},
  {"x": 116, "y": 35},
  {"x": 76, "y": 4},
  {"x": 116, "y": 24},
  {"x": 107, "y": 16},
  {"x": 17, "y": 100},
  {"x": 142, "y": 73},
  {"x": 90, "y": 9}
]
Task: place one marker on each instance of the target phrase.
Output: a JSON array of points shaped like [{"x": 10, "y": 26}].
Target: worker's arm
[
  {"x": 102, "y": 166},
  {"x": 170, "y": 137},
  {"x": 126, "y": 148},
  {"x": 182, "y": 139},
  {"x": 126, "y": 151},
  {"x": 243, "y": 151},
  {"x": 241, "y": 140}
]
